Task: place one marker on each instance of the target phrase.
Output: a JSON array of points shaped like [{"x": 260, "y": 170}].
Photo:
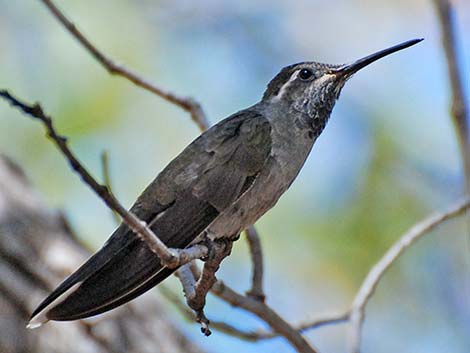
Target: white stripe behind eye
[{"x": 281, "y": 92}]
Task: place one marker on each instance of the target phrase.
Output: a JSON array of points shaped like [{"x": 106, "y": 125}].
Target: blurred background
[{"x": 387, "y": 158}]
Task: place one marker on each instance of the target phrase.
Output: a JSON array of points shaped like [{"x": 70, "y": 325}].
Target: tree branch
[
  {"x": 255, "y": 335},
  {"x": 256, "y": 252},
  {"x": 331, "y": 319},
  {"x": 191, "y": 317},
  {"x": 106, "y": 175},
  {"x": 197, "y": 284},
  {"x": 372, "y": 279},
  {"x": 459, "y": 109},
  {"x": 265, "y": 313},
  {"x": 186, "y": 103},
  {"x": 194, "y": 300},
  {"x": 172, "y": 258},
  {"x": 251, "y": 336}
]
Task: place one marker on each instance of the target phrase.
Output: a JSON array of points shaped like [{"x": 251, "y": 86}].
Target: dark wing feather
[{"x": 179, "y": 204}]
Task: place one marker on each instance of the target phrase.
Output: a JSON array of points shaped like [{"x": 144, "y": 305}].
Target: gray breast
[{"x": 290, "y": 148}]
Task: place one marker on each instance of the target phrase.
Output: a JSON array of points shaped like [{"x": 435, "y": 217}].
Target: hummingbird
[{"x": 221, "y": 183}]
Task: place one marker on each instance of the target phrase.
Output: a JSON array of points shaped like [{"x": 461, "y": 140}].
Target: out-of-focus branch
[
  {"x": 459, "y": 106},
  {"x": 186, "y": 103},
  {"x": 256, "y": 253},
  {"x": 170, "y": 257},
  {"x": 372, "y": 279}
]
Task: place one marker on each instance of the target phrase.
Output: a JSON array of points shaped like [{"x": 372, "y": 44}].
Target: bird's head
[{"x": 312, "y": 88}]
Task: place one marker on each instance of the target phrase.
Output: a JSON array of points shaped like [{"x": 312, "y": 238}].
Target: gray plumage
[{"x": 221, "y": 183}]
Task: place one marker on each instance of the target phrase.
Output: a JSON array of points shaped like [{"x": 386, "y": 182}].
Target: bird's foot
[{"x": 217, "y": 247}]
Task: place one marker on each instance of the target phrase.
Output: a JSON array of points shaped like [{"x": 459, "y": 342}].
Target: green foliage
[{"x": 380, "y": 209}]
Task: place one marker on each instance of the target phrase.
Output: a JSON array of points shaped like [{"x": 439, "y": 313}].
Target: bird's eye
[{"x": 305, "y": 74}]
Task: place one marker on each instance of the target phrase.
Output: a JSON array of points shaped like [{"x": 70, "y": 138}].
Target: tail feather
[
  {"x": 125, "y": 273},
  {"x": 125, "y": 267},
  {"x": 108, "y": 279},
  {"x": 139, "y": 290}
]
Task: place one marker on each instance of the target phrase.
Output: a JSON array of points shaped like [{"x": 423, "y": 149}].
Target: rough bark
[{"x": 37, "y": 250}]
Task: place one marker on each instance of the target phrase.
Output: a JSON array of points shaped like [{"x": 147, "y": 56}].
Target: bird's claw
[{"x": 220, "y": 245}]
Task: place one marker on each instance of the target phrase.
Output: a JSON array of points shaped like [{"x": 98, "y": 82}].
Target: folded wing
[{"x": 179, "y": 204}]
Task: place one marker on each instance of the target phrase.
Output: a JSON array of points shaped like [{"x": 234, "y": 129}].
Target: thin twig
[
  {"x": 186, "y": 103},
  {"x": 372, "y": 279},
  {"x": 169, "y": 257},
  {"x": 107, "y": 181},
  {"x": 256, "y": 253},
  {"x": 460, "y": 112},
  {"x": 331, "y": 319}
]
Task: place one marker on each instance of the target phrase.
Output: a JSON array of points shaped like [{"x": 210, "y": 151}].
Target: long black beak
[{"x": 352, "y": 68}]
